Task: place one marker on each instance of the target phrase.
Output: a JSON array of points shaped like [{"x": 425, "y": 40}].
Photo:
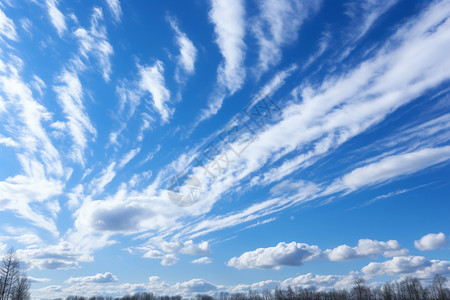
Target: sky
[{"x": 185, "y": 147}]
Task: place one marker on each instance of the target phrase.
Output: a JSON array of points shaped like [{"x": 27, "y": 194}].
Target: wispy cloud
[
  {"x": 276, "y": 26},
  {"x": 7, "y": 27},
  {"x": 188, "y": 53},
  {"x": 70, "y": 96},
  {"x": 95, "y": 41},
  {"x": 392, "y": 167},
  {"x": 152, "y": 81},
  {"x": 56, "y": 16},
  {"x": 228, "y": 18},
  {"x": 116, "y": 10}
]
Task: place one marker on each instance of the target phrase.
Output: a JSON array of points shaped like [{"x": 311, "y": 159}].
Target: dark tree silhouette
[{"x": 14, "y": 285}]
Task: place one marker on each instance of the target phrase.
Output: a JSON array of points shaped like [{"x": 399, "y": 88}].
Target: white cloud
[
  {"x": 95, "y": 42},
  {"x": 188, "y": 52},
  {"x": 228, "y": 17},
  {"x": 394, "y": 166},
  {"x": 38, "y": 280},
  {"x": 7, "y": 28},
  {"x": 229, "y": 26},
  {"x": 418, "y": 266},
  {"x": 292, "y": 254},
  {"x": 116, "y": 10},
  {"x": 63, "y": 255},
  {"x": 56, "y": 17},
  {"x": 166, "y": 259},
  {"x": 41, "y": 167},
  {"x": 274, "y": 84},
  {"x": 98, "y": 278},
  {"x": 8, "y": 142},
  {"x": 189, "y": 247},
  {"x": 321, "y": 281},
  {"x": 99, "y": 183},
  {"x": 70, "y": 96},
  {"x": 152, "y": 81},
  {"x": 296, "y": 254},
  {"x": 278, "y": 25},
  {"x": 202, "y": 260},
  {"x": 197, "y": 286},
  {"x": 365, "y": 248},
  {"x": 431, "y": 241},
  {"x": 128, "y": 157}
]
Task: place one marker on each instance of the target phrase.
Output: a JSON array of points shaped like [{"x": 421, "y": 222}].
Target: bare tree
[
  {"x": 13, "y": 284},
  {"x": 438, "y": 287},
  {"x": 360, "y": 290}
]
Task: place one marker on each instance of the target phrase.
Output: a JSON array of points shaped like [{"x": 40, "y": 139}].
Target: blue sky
[{"x": 218, "y": 146}]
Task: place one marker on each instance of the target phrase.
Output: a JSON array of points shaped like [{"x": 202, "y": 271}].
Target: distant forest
[{"x": 409, "y": 288}]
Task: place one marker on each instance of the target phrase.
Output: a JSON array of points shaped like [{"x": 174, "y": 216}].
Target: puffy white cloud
[
  {"x": 7, "y": 27},
  {"x": 189, "y": 247},
  {"x": 98, "y": 278},
  {"x": 197, "y": 286},
  {"x": 365, "y": 248},
  {"x": 320, "y": 281},
  {"x": 202, "y": 260},
  {"x": 418, "y": 266},
  {"x": 56, "y": 16},
  {"x": 292, "y": 254},
  {"x": 431, "y": 241}
]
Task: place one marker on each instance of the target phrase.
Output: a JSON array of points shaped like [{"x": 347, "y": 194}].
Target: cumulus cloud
[
  {"x": 166, "y": 259},
  {"x": 56, "y": 16},
  {"x": 296, "y": 254},
  {"x": 365, "y": 248},
  {"x": 197, "y": 286},
  {"x": 431, "y": 241},
  {"x": 98, "y": 278},
  {"x": 418, "y": 266},
  {"x": 292, "y": 254}
]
